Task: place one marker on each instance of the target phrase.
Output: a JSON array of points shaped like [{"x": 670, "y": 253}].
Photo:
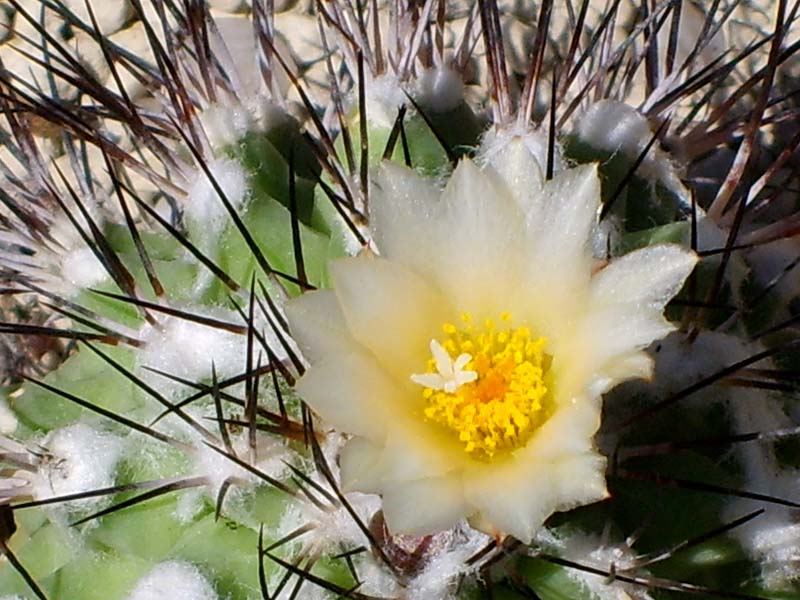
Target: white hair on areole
[
  {"x": 80, "y": 459},
  {"x": 173, "y": 580}
]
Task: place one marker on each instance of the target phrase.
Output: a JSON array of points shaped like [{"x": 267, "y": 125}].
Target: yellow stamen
[{"x": 496, "y": 400}]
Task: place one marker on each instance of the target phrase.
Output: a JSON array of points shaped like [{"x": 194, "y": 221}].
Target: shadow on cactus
[{"x": 407, "y": 301}]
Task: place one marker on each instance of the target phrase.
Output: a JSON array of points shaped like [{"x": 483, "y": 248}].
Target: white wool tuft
[
  {"x": 385, "y": 96},
  {"x": 82, "y": 269},
  {"x": 711, "y": 236},
  {"x": 444, "y": 568},
  {"x": 335, "y": 526},
  {"x": 81, "y": 459},
  {"x": 225, "y": 125},
  {"x": 774, "y": 544},
  {"x": 441, "y": 89},
  {"x": 187, "y": 349},
  {"x": 68, "y": 262},
  {"x": 173, "y": 580},
  {"x": 589, "y": 550},
  {"x": 63, "y": 230},
  {"x": 272, "y": 458},
  {"x": 206, "y": 214},
  {"x": 679, "y": 365},
  {"x": 614, "y": 126},
  {"x": 331, "y": 527},
  {"x": 189, "y": 503},
  {"x": 774, "y": 264},
  {"x": 308, "y": 591},
  {"x": 377, "y": 580},
  {"x": 8, "y": 420},
  {"x": 205, "y": 209},
  {"x": 339, "y": 526}
]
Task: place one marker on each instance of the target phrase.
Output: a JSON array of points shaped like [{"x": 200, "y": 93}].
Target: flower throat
[{"x": 486, "y": 383}]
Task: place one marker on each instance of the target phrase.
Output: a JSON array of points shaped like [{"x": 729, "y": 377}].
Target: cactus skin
[{"x": 234, "y": 469}]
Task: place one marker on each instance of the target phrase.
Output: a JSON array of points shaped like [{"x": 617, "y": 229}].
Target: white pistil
[{"x": 451, "y": 373}]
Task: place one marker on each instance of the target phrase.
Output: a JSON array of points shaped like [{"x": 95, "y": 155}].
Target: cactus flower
[{"x": 468, "y": 358}]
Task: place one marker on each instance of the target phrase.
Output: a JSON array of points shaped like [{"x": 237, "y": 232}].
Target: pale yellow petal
[
  {"x": 616, "y": 332},
  {"x": 359, "y": 463},
  {"x": 389, "y": 310},
  {"x": 317, "y": 325},
  {"x": 404, "y": 208},
  {"x": 517, "y": 494},
  {"x": 351, "y": 392},
  {"x": 419, "y": 450},
  {"x": 510, "y": 498},
  {"x": 627, "y": 300},
  {"x": 560, "y": 230},
  {"x": 497, "y": 239},
  {"x": 555, "y": 487},
  {"x": 558, "y": 260},
  {"x": 521, "y": 172},
  {"x": 479, "y": 259},
  {"x": 568, "y": 431},
  {"x": 637, "y": 365},
  {"x": 646, "y": 278},
  {"x": 580, "y": 480},
  {"x": 424, "y": 506},
  {"x": 518, "y": 497}
]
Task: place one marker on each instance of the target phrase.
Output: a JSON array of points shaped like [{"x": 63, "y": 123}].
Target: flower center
[{"x": 493, "y": 394}]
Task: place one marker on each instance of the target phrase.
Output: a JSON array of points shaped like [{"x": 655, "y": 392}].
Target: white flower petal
[
  {"x": 648, "y": 277},
  {"x": 359, "y": 464},
  {"x": 351, "y": 392},
  {"x": 569, "y": 431},
  {"x": 390, "y": 310},
  {"x": 637, "y": 365},
  {"x": 416, "y": 450},
  {"x": 522, "y": 174},
  {"x": 419, "y": 507},
  {"x": 510, "y": 500},
  {"x": 404, "y": 209},
  {"x": 617, "y": 332},
  {"x": 519, "y": 496},
  {"x": 317, "y": 324},
  {"x": 581, "y": 479},
  {"x": 556, "y": 250},
  {"x": 480, "y": 261},
  {"x": 562, "y": 227},
  {"x": 627, "y": 299}
]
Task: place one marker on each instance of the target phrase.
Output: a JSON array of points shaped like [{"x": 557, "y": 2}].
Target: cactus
[{"x": 202, "y": 241}]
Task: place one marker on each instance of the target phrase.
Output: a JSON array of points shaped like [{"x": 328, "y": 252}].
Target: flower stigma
[{"x": 493, "y": 395}]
